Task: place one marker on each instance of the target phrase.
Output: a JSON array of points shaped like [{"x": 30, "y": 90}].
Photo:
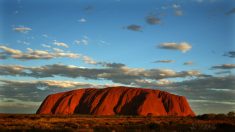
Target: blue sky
[{"x": 118, "y": 32}]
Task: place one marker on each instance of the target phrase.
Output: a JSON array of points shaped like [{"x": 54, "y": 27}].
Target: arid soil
[{"x": 34, "y": 123}]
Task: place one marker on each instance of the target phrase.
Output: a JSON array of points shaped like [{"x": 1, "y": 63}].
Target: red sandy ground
[{"x": 73, "y": 123}]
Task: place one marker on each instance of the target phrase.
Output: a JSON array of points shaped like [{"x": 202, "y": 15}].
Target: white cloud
[
  {"x": 212, "y": 101},
  {"x": 77, "y": 42},
  {"x": 164, "y": 82},
  {"x": 16, "y": 12},
  {"x": 151, "y": 83},
  {"x": 22, "y": 29},
  {"x": 88, "y": 60},
  {"x": 9, "y": 50},
  {"x": 176, "y": 6},
  {"x": 183, "y": 46},
  {"x": 45, "y": 35},
  {"x": 23, "y": 42},
  {"x": 83, "y": 41},
  {"x": 46, "y": 46},
  {"x": 202, "y": 1},
  {"x": 67, "y": 84},
  {"x": 58, "y": 50},
  {"x": 39, "y": 84},
  {"x": 61, "y": 44},
  {"x": 103, "y": 43},
  {"x": 82, "y": 20},
  {"x": 177, "y": 10}
]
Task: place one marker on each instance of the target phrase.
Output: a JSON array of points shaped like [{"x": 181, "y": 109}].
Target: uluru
[{"x": 116, "y": 101}]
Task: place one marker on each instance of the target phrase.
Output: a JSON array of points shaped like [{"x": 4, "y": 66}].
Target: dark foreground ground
[{"x": 84, "y": 123}]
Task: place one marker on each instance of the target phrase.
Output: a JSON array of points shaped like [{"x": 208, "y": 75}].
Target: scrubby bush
[
  {"x": 225, "y": 127},
  {"x": 216, "y": 116},
  {"x": 206, "y": 116},
  {"x": 202, "y": 127},
  {"x": 231, "y": 114},
  {"x": 221, "y": 116},
  {"x": 153, "y": 126}
]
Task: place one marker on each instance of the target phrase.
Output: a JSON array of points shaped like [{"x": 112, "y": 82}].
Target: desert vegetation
[{"x": 119, "y": 123}]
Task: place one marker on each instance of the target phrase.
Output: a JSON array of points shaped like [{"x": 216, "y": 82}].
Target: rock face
[{"x": 116, "y": 101}]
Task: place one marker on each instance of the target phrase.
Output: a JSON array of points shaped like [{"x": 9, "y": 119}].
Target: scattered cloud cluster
[
  {"x": 177, "y": 10},
  {"x": 227, "y": 82},
  {"x": 31, "y": 54},
  {"x": 224, "y": 66},
  {"x": 230, "y": 54},
  {"x": 38, "y": 90},
  {"x": 209, "y": 88},
  {"x": 152, "y": 19},
  {"x": 183, "y": 46},
  {"x": 199, "y": 91},
  {"x": 205, "y": 91},
  {"x": 83, "y": 41},
  {"x": 148, "y": 83},
  {"x": 117, "y": 73},
  {"x": 22, "y": 29},
  {"x": 50, "y": 83}
]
